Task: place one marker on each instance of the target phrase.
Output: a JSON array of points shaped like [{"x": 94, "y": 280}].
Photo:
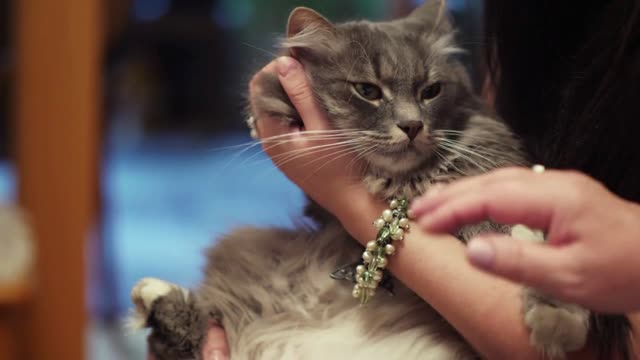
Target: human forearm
[{"x": 482, "y": 308}]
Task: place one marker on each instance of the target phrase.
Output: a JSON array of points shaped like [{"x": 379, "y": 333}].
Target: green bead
[
  {"x": 367, "y": 276},
  {"x": 384, "y": 233}
]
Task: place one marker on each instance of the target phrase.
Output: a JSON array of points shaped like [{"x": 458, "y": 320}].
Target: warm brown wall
[{"x": 57, "y": 106}]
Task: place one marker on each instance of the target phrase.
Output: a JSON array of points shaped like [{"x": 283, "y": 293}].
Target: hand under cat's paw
[
  {"x": 143, "y": 295},
  {"x": 557, "y": 330}
]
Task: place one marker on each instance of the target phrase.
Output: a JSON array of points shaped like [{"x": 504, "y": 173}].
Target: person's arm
[
  {"x": 592, "y": 236},
  {"x": 484, "y": 309}
]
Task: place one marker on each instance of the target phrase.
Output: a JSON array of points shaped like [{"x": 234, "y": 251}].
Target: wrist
[{"x": 357, "y": 211}]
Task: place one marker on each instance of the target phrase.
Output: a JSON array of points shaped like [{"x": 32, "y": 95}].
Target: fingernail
[
  {"x": 481, "y": 253},
  {"x": 215, "y": 355},
  {"x": 285, "y": 64}
]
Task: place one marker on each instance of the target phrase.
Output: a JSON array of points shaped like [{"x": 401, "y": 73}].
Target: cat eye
[
  {"x": 431, "y": 91},
  {"x": 368, "y": 91}
]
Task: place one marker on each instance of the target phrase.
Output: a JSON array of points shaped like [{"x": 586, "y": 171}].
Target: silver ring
[{"x": 251, "y": 122}]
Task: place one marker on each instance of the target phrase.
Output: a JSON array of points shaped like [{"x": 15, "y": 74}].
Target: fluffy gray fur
[{"x": 270, "y": 288}]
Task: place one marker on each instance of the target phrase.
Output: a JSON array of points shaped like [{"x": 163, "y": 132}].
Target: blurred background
[{"x": 121, "y": 125}]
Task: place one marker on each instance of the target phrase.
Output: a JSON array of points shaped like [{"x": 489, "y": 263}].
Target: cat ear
[
  {"x": 307, "y": 33},
  {"x": 433, "y": 12},
  {"x": 302, "y": 18}
]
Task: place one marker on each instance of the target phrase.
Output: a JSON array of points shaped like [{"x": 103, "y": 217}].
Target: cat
[{"x": 398, "y": 90}]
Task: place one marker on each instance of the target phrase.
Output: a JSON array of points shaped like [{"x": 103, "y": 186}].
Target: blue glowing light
[{"x": 150, "y": 10}]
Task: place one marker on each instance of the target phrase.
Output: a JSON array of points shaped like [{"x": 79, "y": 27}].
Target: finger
[
  {"x": 537, "y": 265},
  {"x": 511, "y": 203},
  {"x": 295, "y": 83},
  {"x": 215, "y": 346},
  {"x": 269, "y": 68},
  {"x": 439, "y": 195}
]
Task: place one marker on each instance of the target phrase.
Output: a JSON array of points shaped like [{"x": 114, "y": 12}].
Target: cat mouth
[{"x": 400, "y": 149}]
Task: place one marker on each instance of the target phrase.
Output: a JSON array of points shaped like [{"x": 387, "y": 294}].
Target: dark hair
[{"x": 566, "y": 77}]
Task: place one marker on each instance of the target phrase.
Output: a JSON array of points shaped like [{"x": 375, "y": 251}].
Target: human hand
[
  {"x": 593, "y": 237},
  {"x": 317, "y": 158},
  {"x": 215, "y": 345}
]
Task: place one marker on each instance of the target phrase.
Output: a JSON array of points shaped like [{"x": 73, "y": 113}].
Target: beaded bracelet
[{"x": 391, "y": 227}]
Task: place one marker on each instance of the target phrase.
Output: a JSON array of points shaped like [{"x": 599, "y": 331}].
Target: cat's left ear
[
  {"x": 433, "y": 13},
  {"x": 308, "y": 32},
  {"x": 304, "y": 19}
]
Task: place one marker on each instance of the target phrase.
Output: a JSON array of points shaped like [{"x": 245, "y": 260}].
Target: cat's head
[{"x": 396, "y": 84}]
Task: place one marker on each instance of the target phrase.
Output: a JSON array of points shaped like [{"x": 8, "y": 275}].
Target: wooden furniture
[
  {"x": 12, "y": 296},
  {"x": 57, "y": 109}
]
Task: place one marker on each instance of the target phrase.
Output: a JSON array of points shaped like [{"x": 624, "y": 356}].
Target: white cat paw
[
  {"x": 143, "y": 295},
  {"x": 556, "y": 330}
]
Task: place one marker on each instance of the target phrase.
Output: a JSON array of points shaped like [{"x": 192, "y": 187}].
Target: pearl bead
[
  {"x": 538, "y": 169},
  {"x": 404, "y": 223},
  {"x": 367, "y": 257},
  {"x": 393, "y": 204},
  {"x": 379, "y": 223},
  {"x": 357, "y": 287},
  {"x": 372, "y": 246},
  {"x": 360, "y": 269},
  {"x": 360, "y": 280},
  {"x": 398, "y": 235},
  {"x": 356, "y": 293},
  {"x": 387, "y": 215},
  {"x": 382, "y": 263},
  {"x": 377, "y": 276},
  {"x": 389, "y": 249}
]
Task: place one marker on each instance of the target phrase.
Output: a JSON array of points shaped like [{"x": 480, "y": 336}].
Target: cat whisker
[
  {"x": 260, "y": 49},
  {"x": 455, "y": 151},
  {"x": 278, "y": 140},
  {"x": 363, "y": 153},
  {"x": 335, "y": 158},
  {"x": 311, "y": 151},
  {"x": 475, "y": 152},
  {"x": 461, "y": 135},
  {"x": 444, "y": 158},
  {"x": 254, "y": 143},
  {"x": 339, "y": 151}
]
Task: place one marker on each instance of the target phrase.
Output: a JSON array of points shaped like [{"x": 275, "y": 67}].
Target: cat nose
[{"x": 411, "y": 128}]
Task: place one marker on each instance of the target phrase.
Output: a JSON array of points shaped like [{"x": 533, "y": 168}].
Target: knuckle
[
  {"x": 510, "y": 187},
  {"x": 254, "y": 87},
  {"x": 571, "y": 280},
  {"x": 572, "y": 286},
  {"x": 299, "y": 92},
  {"x": 512, "y": 259}
]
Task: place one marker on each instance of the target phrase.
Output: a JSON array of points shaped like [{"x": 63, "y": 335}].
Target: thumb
[
  {"x": 295, "y": 83},
  {"x": 537, "y": 265},
  {"x": 215, "y": 345}
]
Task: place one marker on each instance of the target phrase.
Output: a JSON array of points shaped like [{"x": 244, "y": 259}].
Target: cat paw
[
  {"x": 143, "y": 296},
  {"x": 556, "y": 330}
]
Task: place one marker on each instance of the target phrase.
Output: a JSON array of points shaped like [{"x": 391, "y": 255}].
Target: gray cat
[{"x": 396, "y": 92}]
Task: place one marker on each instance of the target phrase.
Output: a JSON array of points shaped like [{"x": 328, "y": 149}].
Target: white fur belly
[
  {"x": 306, "y": 315},
  {"x": 345, "y": 341},
  {"x": 343, "y": 337}
]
